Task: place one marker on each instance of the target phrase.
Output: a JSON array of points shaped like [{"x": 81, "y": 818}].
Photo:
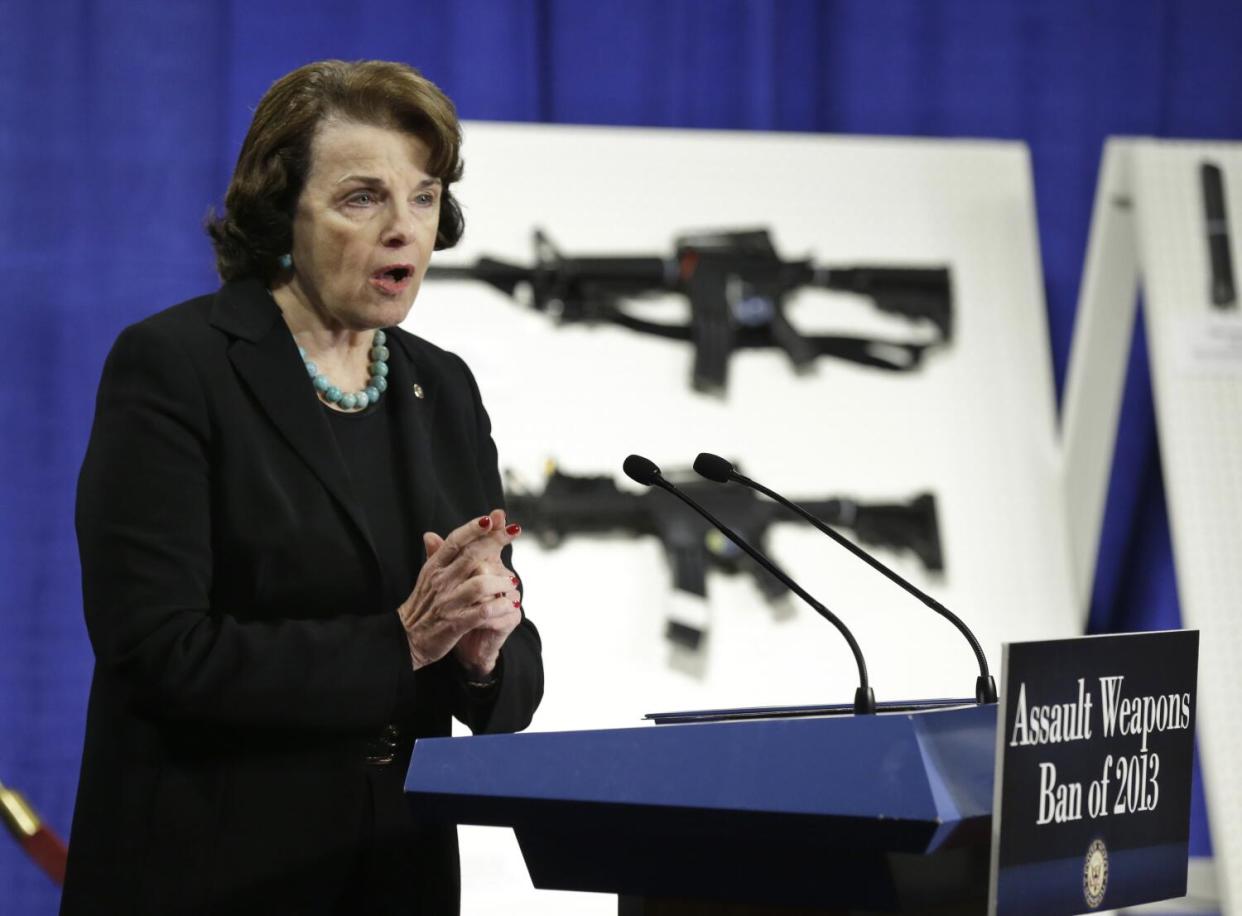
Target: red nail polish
[
  {"x": 513, "y": 530},
  {"x": 513, "y": 579},
  {"x": 485, "y": 522}
]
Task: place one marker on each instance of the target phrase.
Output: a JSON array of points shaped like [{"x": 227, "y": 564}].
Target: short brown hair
[{"x": 257, "y": 225}]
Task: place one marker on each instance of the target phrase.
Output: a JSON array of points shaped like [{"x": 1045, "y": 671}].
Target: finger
[
  {"x": 481, "y": 589},
  {"x": 490, "y": 615},
  {"x": 498, "y": 568},
  {"x": 431, "y": 543},
  {"x": 495, "y": 540},
  {"x": 495, "y": 568},
  {"x": 500, "y": 622},
  {"x": 503, "y": 530},
  {"x": 480, "y": 555},
  {"x": 512, "y": 585},
  {"x": 468, "y": 533},
  {"x": 515, "y": 584},
  {"x": 462, "y": 577},
  {"x": 494, "y": 623}
]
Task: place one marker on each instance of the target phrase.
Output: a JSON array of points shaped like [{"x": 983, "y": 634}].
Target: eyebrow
[{"x": 371, "y": 179}]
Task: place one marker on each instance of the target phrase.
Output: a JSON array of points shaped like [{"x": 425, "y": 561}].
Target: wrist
[
  {"x": 480, "y": 677},
  {"x": 416, "y": 659}
]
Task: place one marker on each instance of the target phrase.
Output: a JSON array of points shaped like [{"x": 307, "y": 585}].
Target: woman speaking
[{"x": 295, "y": 559}]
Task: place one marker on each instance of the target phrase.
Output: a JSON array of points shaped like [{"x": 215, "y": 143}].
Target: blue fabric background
[{"x": 119, "y": 124}]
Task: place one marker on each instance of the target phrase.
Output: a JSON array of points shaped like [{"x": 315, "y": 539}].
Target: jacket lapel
[
  {"x": 266, "y": 358},
  {"x": 413, "y": 417}
]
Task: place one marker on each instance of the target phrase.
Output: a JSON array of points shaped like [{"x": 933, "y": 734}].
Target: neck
[
  {"x": 341, "y": 353},
  {"x": 313, "y": 327}
]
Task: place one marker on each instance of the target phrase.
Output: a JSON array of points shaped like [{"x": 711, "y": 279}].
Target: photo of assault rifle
[
  {"x": 737, "y": 285},
  {"x": 572, "y": 505}
]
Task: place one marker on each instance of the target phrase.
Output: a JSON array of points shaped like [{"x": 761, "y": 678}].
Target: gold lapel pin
[{"x": 418, "y": 391}]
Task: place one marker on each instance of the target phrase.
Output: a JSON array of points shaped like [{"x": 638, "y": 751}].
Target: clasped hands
[{"x": 465, "y": 600}]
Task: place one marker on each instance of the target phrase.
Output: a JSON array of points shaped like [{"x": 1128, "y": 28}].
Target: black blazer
[{"x": 232, "y": 596}]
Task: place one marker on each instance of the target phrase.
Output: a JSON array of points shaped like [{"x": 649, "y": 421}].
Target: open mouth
[
  {"x": 393, "y": 278},
  {"x": 397, "y": 272}
]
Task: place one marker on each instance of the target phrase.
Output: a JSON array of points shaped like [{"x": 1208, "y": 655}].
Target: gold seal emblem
[{"x": 1095, "y": 873}]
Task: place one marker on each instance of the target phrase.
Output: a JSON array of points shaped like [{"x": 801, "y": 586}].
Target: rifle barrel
[
  {"x": 451, "y": 272},
  {"x": 625, "y": 272}
]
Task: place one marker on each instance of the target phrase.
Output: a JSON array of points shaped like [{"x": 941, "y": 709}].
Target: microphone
[
  {"x": 644, "y": 471},
  {"x": 717, "y": 469}
]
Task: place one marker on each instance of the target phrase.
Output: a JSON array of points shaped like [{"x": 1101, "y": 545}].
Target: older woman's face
[{"x": 365, "y": 225}]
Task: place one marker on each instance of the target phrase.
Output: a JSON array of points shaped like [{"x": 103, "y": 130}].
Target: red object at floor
[{"x": 42, "y": 845}]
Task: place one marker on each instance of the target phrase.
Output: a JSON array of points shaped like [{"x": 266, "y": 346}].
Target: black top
[
  {"x": 370, "y": 450},
  {"x": 387, "y": 840}
]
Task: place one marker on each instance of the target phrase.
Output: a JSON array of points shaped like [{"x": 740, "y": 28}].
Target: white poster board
[{"x": 975, "y": 425}]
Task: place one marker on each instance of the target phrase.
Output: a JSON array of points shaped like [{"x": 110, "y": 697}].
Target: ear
[{"x": 432, "y": 542}]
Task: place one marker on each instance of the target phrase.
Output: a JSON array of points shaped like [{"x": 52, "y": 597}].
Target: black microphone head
[
  {"x": 713, "y": 467},
  {"x": 641, "y": 470}
]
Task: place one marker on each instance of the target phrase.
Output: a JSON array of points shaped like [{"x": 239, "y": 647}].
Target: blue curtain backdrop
[{"x": 119, "y": 124}]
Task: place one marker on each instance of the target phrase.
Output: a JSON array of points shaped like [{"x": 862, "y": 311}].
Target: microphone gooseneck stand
[
  {"x": 714, "y": 468},
  {"x": 643, "y": 471}
]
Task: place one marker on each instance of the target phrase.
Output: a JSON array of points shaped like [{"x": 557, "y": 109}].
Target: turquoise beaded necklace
[{"x": 353, "y": 400}]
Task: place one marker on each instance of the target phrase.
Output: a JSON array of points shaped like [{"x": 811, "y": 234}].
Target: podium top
[
  {"x": 913, "y": 778},
  {"x": 737, "y": 714}
]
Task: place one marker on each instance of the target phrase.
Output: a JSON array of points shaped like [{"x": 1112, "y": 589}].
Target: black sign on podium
[{"x": 1095, "y": 741}]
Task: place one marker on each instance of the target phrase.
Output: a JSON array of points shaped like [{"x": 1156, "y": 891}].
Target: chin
[
  {"x": 400, "y": 312},
  {"x": 388, "y": 314}
]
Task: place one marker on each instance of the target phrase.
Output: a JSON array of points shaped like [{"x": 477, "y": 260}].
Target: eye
[
  {"x": 362, "y": 198},
  {"x": 425, "y": 198}
]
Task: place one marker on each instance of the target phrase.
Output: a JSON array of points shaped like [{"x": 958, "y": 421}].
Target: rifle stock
[
  {"x": 912, "y": 526},
  {"x": 912, "y": 292}
]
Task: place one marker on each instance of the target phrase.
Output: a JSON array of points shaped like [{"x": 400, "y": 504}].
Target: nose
[{"x": 398, "y": 231}]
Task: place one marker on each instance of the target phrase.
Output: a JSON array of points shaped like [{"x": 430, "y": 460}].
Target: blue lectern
[{"x": 887, "y": 813}]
